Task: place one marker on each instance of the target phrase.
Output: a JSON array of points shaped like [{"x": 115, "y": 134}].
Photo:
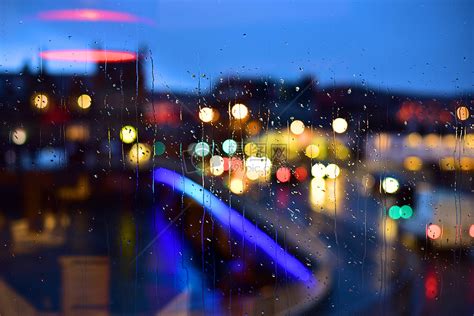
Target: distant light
[
  {"x": 201, "y": 149},
  {"x": 433, "y": 231},
  {"x": 89, "y": 55},
  {"x": 206, "y": 114},
  {"x": 128, "y": 134},
  {"x": 89, "y": 15},
  {"x": 432, "y": 140},
  {"x": 332, "y": 171},
  {"x": 139, "y": 154},
  {"x": 252, "y": 175},
  {"x": 318, "y": 170},
  {"x": 368, "y": 181},
  {"x": 406, "y": 211},
  {"x": 297, "y": 127},
  {"x": 229, "y": 146},
  {"x": 471, "y": 231},
  {"x": 462, "y": 113},
  {"x": 236, "y": 186},
  {"x": 394, "y": 212},
  {"x": 217, "y": 165},
  {"x": 413, "y": 163},
  {"x": 159, "y": 148},
  {"x": 283, "y": 174},
  {"x": 40, "y": 101},
  {"x": 239, "y": 111},
  {"x": 390, "y": 185},
  {"x": 312, "y": 151},
  {"x": 77, "y": 132},
  {"x": 254, "y": 127},
  {"x": 431, "y": 287},
  {"x": 413, "y": 140},
  {"x": 18, "y": 136},
  {"x": 84, "y": 101},
  {"x": 261, "y": 165},
  {"x": 339, "y": 125},
  {"x": 251, "y": 149},
  {"x": 301, "y": 173}
]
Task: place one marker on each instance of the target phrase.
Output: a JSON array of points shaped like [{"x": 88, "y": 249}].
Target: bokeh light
[
  {"x": 251, "y": 149},
  {"x": 413, "y": 163},
  {"x": 318, "y": 170},
  {"x": 332, "y": 171},
  {"x": 239, "y": 111},
  {"x": 160, "y": 148},
  {"x": 139, "y": 154},
  {"x": 390, "y": 185},
  {"x": 201, "y": 149},
  {"x": 40, "y": 101},
  {"x": 406, "y": 211},
  {"x": 297, "y": 127},
  {"x": 471, "y": 231},
  {"x": 18, "y": 136},
  {"x": 216, "y": 165},
  {"x": 394, "y": 212},
  {"x": 84, "y": 101},
  {"x": 229, "y": 146},
  {"x": 237, "y": 186},
  {"x": 283, "y": 174},
  {"x": 128, "y": 134},
  {"x": 301, "y": 173},
  {"x": 89, "y": 55},
  {"x": 206, "y": 114},
  {"x": 433, "y": 231},
  {"x": 312, "y": 151},
  {"x": 462, "y": 113},
  {"x": 339, "y": 125}
]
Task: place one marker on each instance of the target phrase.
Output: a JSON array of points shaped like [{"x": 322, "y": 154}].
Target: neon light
[
  {"x": 228, "y": 216},
  {"x": 86, "y": 55},
  {"x": 90, "y": 15}
]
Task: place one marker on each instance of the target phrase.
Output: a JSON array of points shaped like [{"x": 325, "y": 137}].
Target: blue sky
[{"x": 422, "y": 46}]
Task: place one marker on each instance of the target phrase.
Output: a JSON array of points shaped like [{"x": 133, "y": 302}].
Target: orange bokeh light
[
  {"x": 89, "y": 55},
  {"x": 89, "y": 15}
]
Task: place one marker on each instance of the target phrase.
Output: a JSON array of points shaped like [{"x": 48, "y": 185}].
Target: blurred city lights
[
  {"x": 201, "y": 149},
  {"x": 261, "y": 165},
  {"x": 390, "y": 185},
  {"x": 339, "y": 125},
  {"x": 40, "y": 101},
  {"x": 406, "y": 211},
  {"x": 159, "y": 148},
  {"x": 332, "y": 171},
  {"x": 431, "y": 287},
  {"x": 301, "y": 173},
  {"x": 312, "y": 151},
  {"x": 318, "y": 170},
  {"x": 236, "y": 186},
  {"x": 229, "y": 146},
  {"x": 217, "y": 165},
  {"x": 18, "y": 136},
  {"x": 462, "y": 113},
  {"x": 84, "y": 101},
  {"x": 86, "y": 55},
  {"x": 297, "y": 127},
  {"x": 394, "y": 212},
  {"x": 128, "y": 134},
  {"x": 283, "y": 174},
  {"x": 139, "y": 154},
  {"x": 77, "y": 132},
  {"x": 239, "y": 111},
  {"x": 433, "y": 231},
  {"x": 413, "y": 140},
  {"x": 206, "y": 114},
  {"x": 413, "y": 163},
  {"x": 251, "y": 149},
  {"x": 471, "y": 231}
]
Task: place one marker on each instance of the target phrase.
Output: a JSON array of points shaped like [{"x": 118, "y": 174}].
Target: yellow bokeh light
[
  {"x": 297, "y": 127},
  {"x": 206, "y": 114},
  {"x": 339, "y": 125},
  {"x": 390, "y": 185},
  {"x": 413, "y": 163},
  {"x": 413, "y": 140},
  {"x": 40, "y": 101},
  {"x": 318, "y": 170},
  {"x": 237, "y": 186},
  {"x": 84, "y": 101},
  {"x": 239, "y": 111},
  {"x": 128, "y": 134},
  {"x": 432, "y": 140},
  {"x": 18, "y": 136},
  {"x": 139, "y": 154},
  {"x": 251, "y": 149},
  {"x": 462, "y": 113},
  {"x": 312, "y": 151}
]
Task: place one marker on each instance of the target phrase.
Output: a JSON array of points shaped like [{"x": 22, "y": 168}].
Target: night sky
[{"x": 421, "y": 46}]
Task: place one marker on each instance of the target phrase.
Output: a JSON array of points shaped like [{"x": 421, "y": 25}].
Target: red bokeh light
[
  {"x": 301, "y": 173},
  {"x": 433, "y": 231},
  {"x": 431, "y": 287},
  {"x": 86, "y": 55},
  {"x": 283, "y": 174}
]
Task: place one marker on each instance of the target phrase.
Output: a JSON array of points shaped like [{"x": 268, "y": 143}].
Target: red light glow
[
  {"x": 283, "y": 174},
  {"x": 433, "y": 231},
  {"x": 89, "y": 15},
  {"x": 87, "y": 55}
]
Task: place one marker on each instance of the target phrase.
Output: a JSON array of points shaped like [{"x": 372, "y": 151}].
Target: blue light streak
[{"x": 240, "y": 225}]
